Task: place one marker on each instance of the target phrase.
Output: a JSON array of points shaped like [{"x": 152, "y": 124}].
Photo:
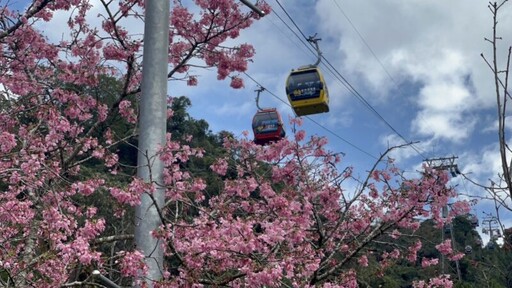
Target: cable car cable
[
  {"x": 308, "y": 46},
  {"x": 349, "y": 86},
  {"x": 291, "y": 19},
  {"x": 365, "y": 43},
  {"x": 344, "y": 81},
  {"x": 373, "y": 54},
  {"x": 372, "y": 109}
]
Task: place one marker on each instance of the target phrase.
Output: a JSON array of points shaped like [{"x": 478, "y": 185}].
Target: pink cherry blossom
[
  {"x": 429, "y": 262},
  {"x": 273, "y": 212}
]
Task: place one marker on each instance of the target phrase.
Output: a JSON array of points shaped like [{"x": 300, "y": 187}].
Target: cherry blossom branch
[
  {"x": 349, "y": 203},
  {"x": 501, "y": 102},
  {"x": 113, "y": 238},
  {"x": 317, "y": 277},
  {"x": 30, "y": 13},
  {"x": 222, "y": 282},
  {"x": 82, "y": 284}
]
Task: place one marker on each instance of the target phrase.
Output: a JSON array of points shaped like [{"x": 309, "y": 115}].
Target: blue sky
[
  {"x": 423, "y": 75},
  {"x": 416, "y": 62}
]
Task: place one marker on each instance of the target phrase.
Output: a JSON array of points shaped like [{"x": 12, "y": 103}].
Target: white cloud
[
  {"x": 436, "y": 45},
  {"x": 483, "y": 165},
  {"x": 452, "y": 126},
  {"x": 226, "y": 109},
  {"x": 494, "y": 125},
  {"x": 444, "y": 97}
]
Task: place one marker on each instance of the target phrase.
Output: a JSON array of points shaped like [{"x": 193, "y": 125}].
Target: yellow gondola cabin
[{"x": 307, "y": 91}]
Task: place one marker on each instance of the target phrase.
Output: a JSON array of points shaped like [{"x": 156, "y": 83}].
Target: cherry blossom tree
[
  {"x": 291, "y": 223},
  {"x": 280, "y": 218},
  {"x": 499, "y": 189}
]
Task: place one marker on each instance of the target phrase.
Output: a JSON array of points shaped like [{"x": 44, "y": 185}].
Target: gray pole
[
  {"x": 152, "y": 129},
  {"x": 442, "y": 255},
  {"x": 253, "y": 8},
  {"x": 104, "y": 280},
  {"x": 459, "y": 275},
  {"x": 444, "y": 214}
]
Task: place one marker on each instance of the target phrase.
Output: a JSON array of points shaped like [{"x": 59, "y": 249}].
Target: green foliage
[{"x": 483, "y": 267}]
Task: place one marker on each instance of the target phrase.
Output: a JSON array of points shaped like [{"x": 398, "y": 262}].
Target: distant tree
[
  {"x": 491, "y": 265},
  {"x": 487, "y": 266},
  {"x": 500, "y": 189}
]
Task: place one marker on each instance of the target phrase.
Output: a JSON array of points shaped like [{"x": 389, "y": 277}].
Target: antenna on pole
[
  {"x": 253, "y": 8},
  {"x": 314, "y": 40},
  {"x": 261, "y": 89}
]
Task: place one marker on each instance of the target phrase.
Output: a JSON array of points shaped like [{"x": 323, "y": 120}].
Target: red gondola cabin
[{"x": 267, "y": 126}]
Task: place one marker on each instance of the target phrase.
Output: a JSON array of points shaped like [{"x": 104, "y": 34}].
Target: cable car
[
  {"x": 473, "y": 220},
  {"x": 267, "y": 126},
  {"x": 448, "y": 228},
  {"x": 307, "y": 91}
]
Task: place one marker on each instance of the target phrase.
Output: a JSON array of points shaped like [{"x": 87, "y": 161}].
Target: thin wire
[
  {"x": 295, "y": 33},
  {"x": 312, "y": 120},
  {"x": 373, "y": 54},
  {"x": 369, "y": 106},
  {"x": 349, "y": 86},
  {"x": 291, "y": 19},
  {"x": 365, "y": 43}
]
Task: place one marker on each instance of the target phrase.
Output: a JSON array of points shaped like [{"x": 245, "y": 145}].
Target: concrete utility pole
[
  {"x": 448, "y": 164},
  {"x": 253, "y": 7},
  {"x": 152, "y": 130},
  {"x": 104, "y": 280}
]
